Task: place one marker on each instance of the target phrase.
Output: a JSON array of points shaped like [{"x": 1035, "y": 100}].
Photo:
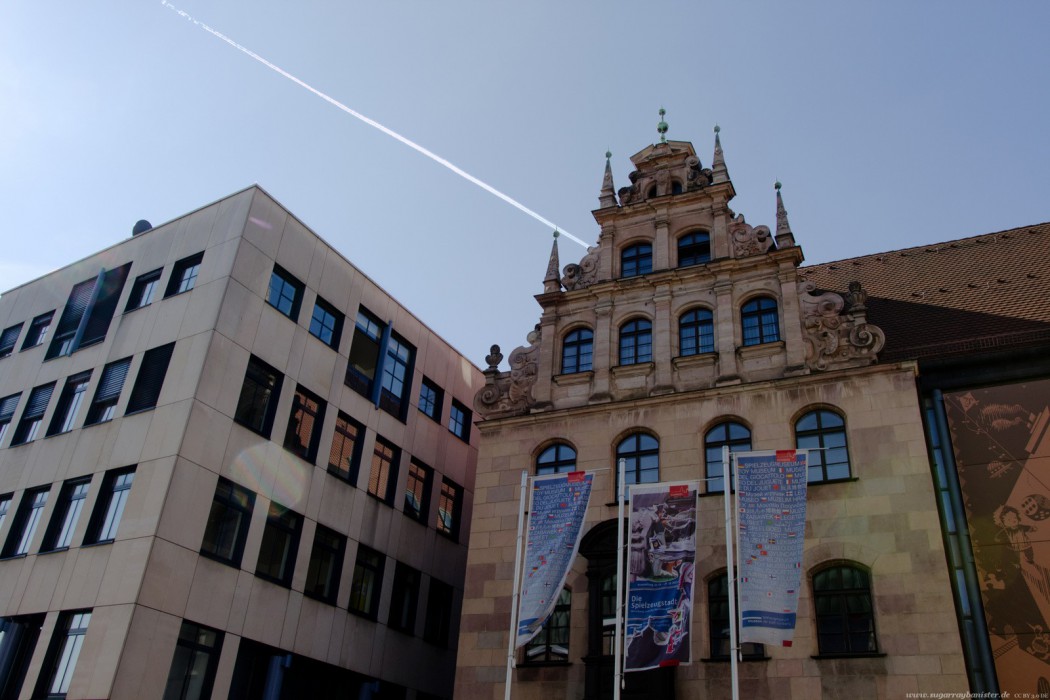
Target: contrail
[{"x": 373, "y": 123}]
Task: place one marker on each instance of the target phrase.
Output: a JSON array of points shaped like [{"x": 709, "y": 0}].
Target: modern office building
[
  {"x": 231, "y": 465},
  {"x": 686, "y": 329}
]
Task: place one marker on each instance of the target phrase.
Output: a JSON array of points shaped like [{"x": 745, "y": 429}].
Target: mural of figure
[{"x": 1014, "y": 532}]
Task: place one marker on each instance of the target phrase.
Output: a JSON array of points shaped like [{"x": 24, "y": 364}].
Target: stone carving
[
  {"x": 509, "y": 393},
  {"x": 833, "y": 338},
  {"x": 584, "y": 274},
  {"x": 627, "y": 194},
  {"x": 696, "y": 176},
  {"x": 748, "y": 239}
]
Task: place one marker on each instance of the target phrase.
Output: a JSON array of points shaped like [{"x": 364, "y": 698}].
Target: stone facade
[
  {"x": 163, "y": 579},
  {"x": 809, "y": 351}
]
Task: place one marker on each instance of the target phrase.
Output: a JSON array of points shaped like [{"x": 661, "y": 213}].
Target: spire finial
[
  {"x": 784, "y": 237},
  {"x": 551, "y": 280},
  {"x": 718, "y": 163},
  {"x": 661, "y": 128},
  {"x": 607, "y": 197}
]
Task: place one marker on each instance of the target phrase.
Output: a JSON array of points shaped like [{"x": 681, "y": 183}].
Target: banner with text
[
  {"x": 660, "y": 582},
  {"x": 559, "y": 507},
  {"x": 771, "y": 503}
]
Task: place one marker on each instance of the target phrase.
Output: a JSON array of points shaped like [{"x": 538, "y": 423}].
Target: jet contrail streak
[{"x": 373, "y": 123}]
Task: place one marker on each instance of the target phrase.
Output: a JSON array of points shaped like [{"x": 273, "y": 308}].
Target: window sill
[
  {"x": 703, "y": 359},
  {"x": 726, "y": 659},
  {"x": 54, "y": 551},
  {"x": 97, "y": 544},
  {"x": 274, "y": 581},
  {"x": 828, "y": 482},
  {"x": 179, "y": 294},
  {"x": 543, "y": 664},
  {"x": 322, "y": 341},
  {"x": 633, "y": 370},
  {"x": 235, "y": 564},
  {"x": 319, "y": 599},
  {"x": 363, "y": 615},
  {"x": 769, "y": 349},
  {"x": 449, "y": 536},
  {"x": 863, "y": 655},
  {"x": 144, "y": 306},
  {"x": 9, "y": 557},
  {"x": 573, "y": 378}
]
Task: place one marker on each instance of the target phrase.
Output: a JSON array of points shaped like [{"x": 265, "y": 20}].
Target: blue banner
[
  {"x": 660, "y": 582},
  {"x": 559, "y": 507},
  {"x": 771, "y": 504}
]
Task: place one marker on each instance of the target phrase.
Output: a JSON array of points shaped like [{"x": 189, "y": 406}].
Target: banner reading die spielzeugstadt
[
  {"x": 660, "y": 581},
  {"x": 559, "y": 507},
  {"x": 771, "y": 505}
]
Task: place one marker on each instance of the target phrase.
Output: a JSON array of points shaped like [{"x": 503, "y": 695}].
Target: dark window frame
[
  {"x": 718, "y": 622},
  {"x": 69, "y": 403},
  {"x": 404, "y": 598},
  {"x": 551, "y": 459},
  {"x": 366, "y": 587},
  {"x": 192, "y": 643},
  {"x": 32, "y": 419},
  {"x": 696, "y": 332},
  {"x": 437, "y": 623},
  {"x": 382, "y": 474},
  {"x": 636, "y": 260},
  {"x": 9, "y": 339},
  {"x": 431, "y": 398},
  {"x": 341, "y": 437},
  {"x": 149, "y": 381},
  {"x": 26, "y": 522},
  {"x": 364, "y": 358},
  {"x": 8, "y": 406},
  {"x": 636, "y": 342},
  {"x": 577, "y": 351},
  {"x": 636, "y": 450},
  {"x": 450, "y": 509},
  {"x": 738, "y": 442},
  {"x": 551, "y": 644},
  {"x": 285, "y": 292},
  {"x": 459, "y": 425},
  {"x": 329, "y": 323},
  {"x": 307, "y": 416},
  {"x": 184, "y": 275},
  {"x": 38, "y": 328},
  {"x": 260, "y": 394},
  {"x": 109, "y": 507},
  {"x": 760, "y": 321},
  {"x": 103, "y": 407},
  {"x": 279, "y": 548},
  {"x": 143, "y": 290},
  {"x": 419, "y": 481},
  {"x": 694, "y": 248},
  {"x": 827, "y": 443},
  {"x": 854, "y": 628},
  {"x": 229, "y": 499},
  {"x": 63, "y": 654},
  {"x": 64, "y": 518},
  {"x": 325, "y": 569}
]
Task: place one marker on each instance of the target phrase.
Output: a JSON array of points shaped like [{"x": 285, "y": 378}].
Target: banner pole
[
  {"x": 517, "y": 583},
  {"x": 730, "y": 574},
  {"x": 621, "y": 467}
]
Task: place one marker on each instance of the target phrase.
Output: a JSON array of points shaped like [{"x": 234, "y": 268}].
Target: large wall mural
[{"x": 1001, "y": 442}]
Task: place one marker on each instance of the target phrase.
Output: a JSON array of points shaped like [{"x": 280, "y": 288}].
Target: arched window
[
  {"x": 556, "y": 459},
  {"x": 651, "y": 193},
  {"x": 731, "y": 433},
  {"x": 694, "y": 249},
  {"x": 842, "y": 605},
  {"x": 576, "y": 351},
  {"x": 824, "y": 429},
  {"x": 636, "y": 342},
  {"x": 759, "y": 321},
  {"x": 641, "y": 454},
  {"x": 636, "y": 260},
  {"x": 676, "y": 187},
  {"x": 718, "y": 616},
  {"x": 696, "y": 332}
]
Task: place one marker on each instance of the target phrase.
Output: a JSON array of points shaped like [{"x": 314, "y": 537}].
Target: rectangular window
[
  {"x": 27, "y": 518},
  {"x": 345, "y": 455},
  {"x": 107, "y": 393},
  {"x": 364, "y": 353},
  {"x": 367, "y": 583},
  {"x": 397, "y": 375},
  {"x": 326, "y": 565},
  {"x": 72, "y": 314},
  {"x": 450, "y": 505},
  {"x": 280, "y": 544},
  {"x": 148, "y": 383},
  {"x": 144, "y": 289},
  {"x": 109, "y": 508},
  {"x": 64, "y": 519},
  {"x": 551, "y": 645},
  {"x": 430, "y": 399},
  {"x": 438, "y": 623},
  {"x": 404, "y": 599},
  {"x": 193, "y": 666},
  {"x": 8, "y": 339},
  {"x": 33, "y": 414},
  {"x": 304, "y": 424},
  {"x": 37, "y": 330},
  {"x": 5, "y": 505},
  {"x": 62, "y": 655},
  {"x": 69, "y": 403},
  {"x": 285, "y": 292},
  {"x": 259, "y": 394},
  {"x": 18, "y": 639},
  {"x": 326, "y": 324},
  {"x": 417, "y": 490},
  {"x": 8, "y": 404},
  {"x": 227, "y": 529},
  {"x": 459, "y": 421},
  {"x": 384, "y": 470},
  {"x": 184, "y": 275},
  {"x": 100, "y": 310}
]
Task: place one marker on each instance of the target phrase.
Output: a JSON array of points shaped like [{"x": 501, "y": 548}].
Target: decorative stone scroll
[
  {"x": 748, "y": 239},
  {"x": 697, "y": 176},
  {"x": 584, "y": 274},
  {"x": 836, "y": 339},
  {"x": 509, "y": 393}
]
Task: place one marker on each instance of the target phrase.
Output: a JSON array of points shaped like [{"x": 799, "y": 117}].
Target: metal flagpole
[
  {"x": 517, "y": 582},
  {"x": 621, "y": 467},
  {"x": 730, "y": 573}
]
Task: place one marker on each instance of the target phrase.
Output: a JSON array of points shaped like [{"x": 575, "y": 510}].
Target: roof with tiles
[{"x": 972, "y": 295}]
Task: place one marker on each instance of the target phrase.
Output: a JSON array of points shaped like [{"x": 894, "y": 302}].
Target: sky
[{"x": 890, "y": 124}]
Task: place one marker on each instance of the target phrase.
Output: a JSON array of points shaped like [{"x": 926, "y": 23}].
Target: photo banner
[
  {"x": 559, "y": 507},
  {"x": 662, "y": 557},
  {"x": 771, "y": 504}
]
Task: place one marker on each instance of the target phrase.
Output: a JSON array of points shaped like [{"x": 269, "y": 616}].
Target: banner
[
  {"x": 771, "y": 501},
  {"x": 660, "y": 581},
  {"x": 559, "y": 506}
]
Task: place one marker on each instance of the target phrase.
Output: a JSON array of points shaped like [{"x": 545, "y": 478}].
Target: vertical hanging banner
[
  {"x": 771, "y": 503},
  {"x": 660, "y": 575},
  {"x": 559, "y": 507}
]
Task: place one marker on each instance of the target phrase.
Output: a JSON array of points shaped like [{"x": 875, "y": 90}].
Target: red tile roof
[{"x": 976, "y": 294}]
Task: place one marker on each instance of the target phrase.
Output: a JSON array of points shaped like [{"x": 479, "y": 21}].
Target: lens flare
[
  {"x": 371, "y": 122},
  {"x": 267, "y": 469}
]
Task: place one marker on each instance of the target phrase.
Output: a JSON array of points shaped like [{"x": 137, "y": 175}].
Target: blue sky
[{"x": 890, "y": 124}]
